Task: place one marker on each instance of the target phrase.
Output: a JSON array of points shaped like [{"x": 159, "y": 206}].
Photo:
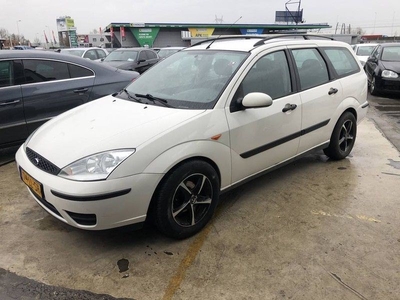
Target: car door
[
  {"x": 320, "y": 96},
  {"x": 142, "y": 63},
  {"x": 372, "y": 63},
  {"x": 152, "y": 58},
  {"x": 263, "y": 137},
  {"x": 52, "y": 87},
  {"x": 12, "y": 120}
]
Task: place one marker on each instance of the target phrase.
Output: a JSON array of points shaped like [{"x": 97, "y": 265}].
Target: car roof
[
  {"x": 132, "y": 49},
  {"x": 81, "y": 48},
  {"x": 172, "y": 48},
  {"x": 248, "y": 43},
  {"x": 390, "y": 44},
  {"x": 366, "y": 44},
  {"x": 37, "y": 54}
]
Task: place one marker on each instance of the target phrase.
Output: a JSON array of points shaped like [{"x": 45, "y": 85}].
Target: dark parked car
[
  {"x": 132, "y": 59},
  {"x": 38, "y": 85},
  {"x": 383, "y": 69}
]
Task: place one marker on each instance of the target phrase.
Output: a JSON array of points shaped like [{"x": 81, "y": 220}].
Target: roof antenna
[{"x": 208, "y": 47}]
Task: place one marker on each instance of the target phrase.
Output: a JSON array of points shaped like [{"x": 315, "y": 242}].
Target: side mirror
[
  {"x": 254, "y": 100},
  {"x": 141, "y": 60},
  {"x": 102, "y": 59}
]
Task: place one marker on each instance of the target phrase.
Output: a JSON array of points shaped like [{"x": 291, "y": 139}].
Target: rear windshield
[
  {"x": 123, "y": 55},
  {"x": 365, "y": 50}
]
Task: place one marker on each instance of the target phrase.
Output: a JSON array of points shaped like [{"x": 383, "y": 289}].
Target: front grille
[{"x": 42, "y": 163}]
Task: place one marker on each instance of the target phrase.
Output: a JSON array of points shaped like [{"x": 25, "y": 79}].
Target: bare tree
[{"x": 358, "y": 31}]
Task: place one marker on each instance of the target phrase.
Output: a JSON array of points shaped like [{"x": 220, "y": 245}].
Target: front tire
[
  {"x": 373, "y": 88},
  {"x": 343, "y": 137},
  {"x": 186, "y": 199}
]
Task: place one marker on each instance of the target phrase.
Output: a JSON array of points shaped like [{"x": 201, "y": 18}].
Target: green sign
[
  {"x": 73, "y": 39},
  {"x": 145, "y": 36}
]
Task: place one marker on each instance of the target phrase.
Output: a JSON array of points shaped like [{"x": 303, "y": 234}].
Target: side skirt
[{"x": 275, "y": 167}]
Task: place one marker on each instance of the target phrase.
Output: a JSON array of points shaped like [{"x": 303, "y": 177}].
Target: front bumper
[
  {"x": 94, "y": 205},
  {"x": 389, "y": 85}
]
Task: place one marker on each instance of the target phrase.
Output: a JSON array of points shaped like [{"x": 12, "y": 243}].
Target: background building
[{"x": 185, "y": 34}]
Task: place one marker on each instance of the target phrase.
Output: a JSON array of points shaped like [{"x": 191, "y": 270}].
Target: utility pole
[{"x": 19, "y": 41}]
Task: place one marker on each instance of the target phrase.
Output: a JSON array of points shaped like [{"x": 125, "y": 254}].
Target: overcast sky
[{"x": 375, "y": 17}]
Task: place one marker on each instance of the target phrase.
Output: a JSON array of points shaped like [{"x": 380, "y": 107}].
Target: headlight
[
  {"x": 95, "y": 167},
  {"x": 389, "y": 74}
]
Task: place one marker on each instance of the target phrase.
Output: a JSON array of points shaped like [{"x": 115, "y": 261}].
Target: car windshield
[
  {"x": 191, "y": 79},
  {"x": 391, "y": 53},
  {"x": 365, "y": 50},
  {"x": 122, "y": 55},
  {"x": 75, "y": 52}
]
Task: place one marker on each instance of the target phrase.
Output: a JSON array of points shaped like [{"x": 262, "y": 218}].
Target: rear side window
[
  {"x": 77, "y": 71},
  {"x": 342, "y": 61},
  {"x": 311, "y": 66},
  {"x": 44, "y": 70}
]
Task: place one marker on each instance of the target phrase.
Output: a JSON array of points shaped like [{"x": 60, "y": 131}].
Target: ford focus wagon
[{"x": 198, "y": 123}]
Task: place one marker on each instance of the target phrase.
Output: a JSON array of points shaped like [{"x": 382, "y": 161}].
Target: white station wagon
[{"x": 198, "y": 123}]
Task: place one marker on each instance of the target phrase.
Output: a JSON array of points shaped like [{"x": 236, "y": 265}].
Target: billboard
[
  {"x": 201, "y": 32},
  {"x": 65, "y": 24},
  {"x": 145, "y": 36},
  {"x": 287, "y": 16}
]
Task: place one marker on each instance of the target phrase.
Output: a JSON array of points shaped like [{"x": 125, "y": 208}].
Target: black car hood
[
  {"x": 391, "y": 65},
  {"x": 124, "y": 65}
]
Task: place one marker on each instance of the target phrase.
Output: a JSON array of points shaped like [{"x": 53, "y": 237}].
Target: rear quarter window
[
  {"x": 342, "y": 61},
  {"x": 76, "y": 71}
]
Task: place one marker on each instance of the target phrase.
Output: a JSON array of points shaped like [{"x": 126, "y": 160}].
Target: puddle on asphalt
[{"x": 123, "y": 265}]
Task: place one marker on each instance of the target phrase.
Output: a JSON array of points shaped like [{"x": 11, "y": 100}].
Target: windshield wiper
[
  {"x": 154, "y": 99},
  {"x": 130, "y": 96}
]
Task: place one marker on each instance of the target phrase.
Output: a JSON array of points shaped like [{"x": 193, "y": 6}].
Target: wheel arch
[{"x": 150, "y": 209}]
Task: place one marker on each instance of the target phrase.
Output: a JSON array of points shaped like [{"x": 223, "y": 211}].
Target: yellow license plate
[{"x": 35, "y": 185}]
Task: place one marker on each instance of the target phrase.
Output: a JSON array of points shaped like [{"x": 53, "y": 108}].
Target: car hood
[
  {"x": 391, "y": 65},
  {"x": 125, "y": 65},
  {"x": 104, "y": 124}
]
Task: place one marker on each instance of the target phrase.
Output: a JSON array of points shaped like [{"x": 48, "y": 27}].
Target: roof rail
[
  {"x": 228, "y": 37},
  {"x": 304, "y": 36},
  {"x": 262, "y": 37}
]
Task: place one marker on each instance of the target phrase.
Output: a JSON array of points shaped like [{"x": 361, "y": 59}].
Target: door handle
[
  {"x": 288, "y": 107},
  {"x": 10, "y": 103},
  {"x": 78, "y": 91},
  {"x": 332, "y": 91}
]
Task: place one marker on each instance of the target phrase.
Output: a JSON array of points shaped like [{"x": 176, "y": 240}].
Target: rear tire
[
  {"x": 343, "y": 137},
  {"x": 186, "y": 199}
]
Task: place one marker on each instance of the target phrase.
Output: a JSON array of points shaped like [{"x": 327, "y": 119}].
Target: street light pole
[{"x": 18, "y": 31}]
